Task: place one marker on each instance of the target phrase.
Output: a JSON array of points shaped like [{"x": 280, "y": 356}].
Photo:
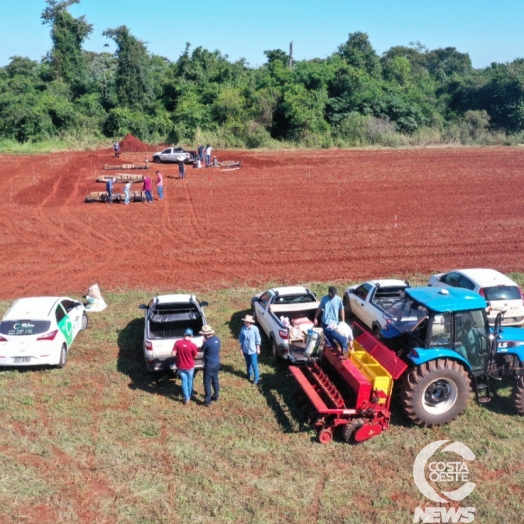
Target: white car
[
  {"x": 501, "y": 293},
  {"x": 39, "y": 331},
  {"x": 173, "y": 154}
]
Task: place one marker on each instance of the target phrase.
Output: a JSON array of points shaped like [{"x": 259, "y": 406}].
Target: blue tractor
[{"x": 445, "y": 338}]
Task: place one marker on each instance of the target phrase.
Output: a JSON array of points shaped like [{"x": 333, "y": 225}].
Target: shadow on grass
[
  {"x": 131, "y": 362},
  {"x": 501, "y": 404},
  {"x": 276, "y": 386}
]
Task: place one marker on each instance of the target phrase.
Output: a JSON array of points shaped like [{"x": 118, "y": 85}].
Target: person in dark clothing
[
  {"x": 181, "y": 169},
  {"x": 109, "y": 189},
  {"x": 211, "y": 349},
  {"x": 201, "y": 153}
]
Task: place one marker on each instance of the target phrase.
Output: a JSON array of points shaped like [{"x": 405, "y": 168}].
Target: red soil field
[{"x": 284, "y": 217}]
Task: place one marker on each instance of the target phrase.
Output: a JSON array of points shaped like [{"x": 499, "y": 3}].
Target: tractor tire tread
[
  {"x": 409, "y": 392},
  {"x": 517, "y": 395}
]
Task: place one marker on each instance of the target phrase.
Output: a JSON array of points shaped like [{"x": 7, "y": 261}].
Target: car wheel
[
  {"x": 63, "y": 356},
  {"x": 85, "y": 321}
]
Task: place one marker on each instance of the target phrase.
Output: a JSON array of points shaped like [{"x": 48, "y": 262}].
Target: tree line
[{"x": 408, "y": 95}]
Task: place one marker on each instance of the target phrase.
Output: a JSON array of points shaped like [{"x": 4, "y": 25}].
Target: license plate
[{"x": 21, "y": 359}]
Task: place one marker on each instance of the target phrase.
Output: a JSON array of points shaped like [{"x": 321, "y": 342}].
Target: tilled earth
[{"x": 286, "y": 217}]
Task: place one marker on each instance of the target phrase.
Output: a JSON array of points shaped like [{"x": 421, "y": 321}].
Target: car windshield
[
  {"x": 502, "y": 293},
  {"x": 24, "y": 327},
  {"x": 406, "y": 310}
]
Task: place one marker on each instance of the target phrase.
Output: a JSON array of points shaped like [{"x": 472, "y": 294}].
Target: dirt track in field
[{"x": 289, "y": 217}]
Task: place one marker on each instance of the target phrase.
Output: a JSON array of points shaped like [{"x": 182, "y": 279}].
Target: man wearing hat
[
  {"x": 249, "y": 340},
  {"x": 211, "y": 349},
  {"x": 185, "y": 353}
]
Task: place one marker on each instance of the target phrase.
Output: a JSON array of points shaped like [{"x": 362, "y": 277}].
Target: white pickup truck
[
  {"x": 166, "y": 319},
  {"x": 295, "y": 304},
  {"x": 368, "y": 301}
]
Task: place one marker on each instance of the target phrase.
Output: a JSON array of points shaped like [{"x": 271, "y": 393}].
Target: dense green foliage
[{"x": 409, "y": 95}]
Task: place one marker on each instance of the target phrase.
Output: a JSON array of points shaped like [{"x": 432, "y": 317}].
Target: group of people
[
  {"x": 147, "y": 188},
  {"x": 204, "y": 151},
  {"x": 337, "y": 334},
  {"x": 185, "y": 352}
]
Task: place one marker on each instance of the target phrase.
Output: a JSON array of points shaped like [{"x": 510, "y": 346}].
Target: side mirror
[
  {"x": 204, "y": 303},
  {"x": 142, "y": 306}
]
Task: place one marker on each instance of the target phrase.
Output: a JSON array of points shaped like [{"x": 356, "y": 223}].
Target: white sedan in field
[
  {"x": 501, "y": 293},
  {"x": 39, "y": 331}
]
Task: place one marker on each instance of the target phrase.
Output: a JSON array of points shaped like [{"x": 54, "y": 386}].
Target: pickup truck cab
[
  {"x": 166, "y": 319},
  {"x": 278, "y": 309},
  {"x": 368, "y": 301}
]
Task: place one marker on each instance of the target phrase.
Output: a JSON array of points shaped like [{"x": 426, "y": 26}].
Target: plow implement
[{"x": 354, "y": 394}]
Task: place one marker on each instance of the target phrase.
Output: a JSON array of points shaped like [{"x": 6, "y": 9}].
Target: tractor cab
[{"x": 430, "y": 323}]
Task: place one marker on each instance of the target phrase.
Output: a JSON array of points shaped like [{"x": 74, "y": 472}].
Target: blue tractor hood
[{"x": 447, "y": 300}]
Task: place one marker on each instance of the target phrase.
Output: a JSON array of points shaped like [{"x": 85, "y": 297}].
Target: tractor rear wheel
[
  {"x": 435, "y": 393},
  {"x": 517, "y": 395}
]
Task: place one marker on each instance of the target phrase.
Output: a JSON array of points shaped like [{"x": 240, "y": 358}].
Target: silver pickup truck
[
  {"x": 369, "y": 300},
  {"x": 295, "y": 304},
  {"x": 166, "y": 319}
]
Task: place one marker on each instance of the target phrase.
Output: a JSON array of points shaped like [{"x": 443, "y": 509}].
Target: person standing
[
  {"x": 330, "y": 306},
  {"x": 160, "y": 185},
  {"x": 181, "y": 168},
  {"x": 185, "y": 353},
  {"x": 201, "y": 153},
  {"x": 147, "y": 189},
  {"x": 208, "y": 155},
  {"x": 116, "y": 149},
  {"x": 211, "y": 349},
  {"x": 127, "y": 189},
  {"x": 109, "y": 189},
  {"x": 249, "y": 341}
]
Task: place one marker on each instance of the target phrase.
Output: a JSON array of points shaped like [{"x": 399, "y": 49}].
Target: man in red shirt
[{"x": 185, "y": 353}]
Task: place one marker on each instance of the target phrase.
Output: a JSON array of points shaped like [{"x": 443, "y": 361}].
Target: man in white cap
[
  {"x": 211, "y": 350},
  {"x": 185, "y": 352},
  {"x": 249, "y": 341}
]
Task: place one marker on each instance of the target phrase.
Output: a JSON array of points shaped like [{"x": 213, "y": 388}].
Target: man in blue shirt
[
  {"x": 249, "y": 341},
  {"x": 331, "y": 307},
  {"x": 211, "y": 349}
]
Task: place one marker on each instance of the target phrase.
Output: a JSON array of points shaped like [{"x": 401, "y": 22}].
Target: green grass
[{"x": 102, "y": 440}]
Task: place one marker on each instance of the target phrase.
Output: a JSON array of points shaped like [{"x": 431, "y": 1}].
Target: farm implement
[
  {"x": 101, "y": 196},
  {"x": 439, "y": 346},
  {"x": 125, "y": 166},
  {"x": 354, "y": 393},
  {"x": 122, "y": 179}
]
